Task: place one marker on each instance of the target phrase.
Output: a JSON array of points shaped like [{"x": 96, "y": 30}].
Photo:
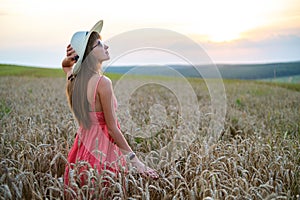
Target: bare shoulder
[
  {"x": 105, "y": 81},
  {"x": 105, "y": 85}
]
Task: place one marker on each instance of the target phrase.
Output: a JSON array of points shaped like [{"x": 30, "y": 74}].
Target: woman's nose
[{"x": 106, "y": 47}]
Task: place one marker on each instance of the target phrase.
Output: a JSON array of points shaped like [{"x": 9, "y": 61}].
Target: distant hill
[
  {"x": 260, "y": 71},
  {"x": 227, "y": 71},
  {"x": 280, "y": 71}
]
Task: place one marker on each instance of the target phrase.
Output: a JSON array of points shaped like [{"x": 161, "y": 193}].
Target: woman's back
[{"x": 92, "y": 95}]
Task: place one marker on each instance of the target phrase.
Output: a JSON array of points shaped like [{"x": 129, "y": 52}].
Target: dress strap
[{"x": 95, "y": 93}]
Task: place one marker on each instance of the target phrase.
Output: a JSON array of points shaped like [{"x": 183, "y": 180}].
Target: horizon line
[{"x": 167, "y": 64}]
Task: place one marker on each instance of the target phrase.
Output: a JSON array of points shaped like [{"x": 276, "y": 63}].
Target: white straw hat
[{"x": 79, "y": 41}]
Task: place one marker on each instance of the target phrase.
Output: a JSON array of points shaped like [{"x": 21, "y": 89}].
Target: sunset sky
[{"x": 36, "y": 32}]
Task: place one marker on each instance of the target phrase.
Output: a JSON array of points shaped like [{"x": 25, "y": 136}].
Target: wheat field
[{"x": 255, "y": 157}]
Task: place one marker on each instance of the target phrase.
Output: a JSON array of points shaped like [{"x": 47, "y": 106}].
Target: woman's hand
[
  {"x": 71, "y": 57},
  {"x": 143, "y": 169}
]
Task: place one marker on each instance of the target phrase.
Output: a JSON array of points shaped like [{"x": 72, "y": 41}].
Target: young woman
[{"x": 99, "y": 140}]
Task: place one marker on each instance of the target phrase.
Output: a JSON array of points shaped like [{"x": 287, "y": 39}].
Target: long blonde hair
[{"x": 76, "y": 89}]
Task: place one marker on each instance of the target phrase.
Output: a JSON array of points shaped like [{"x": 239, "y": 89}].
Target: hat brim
[{"x": 96, "y": 28}]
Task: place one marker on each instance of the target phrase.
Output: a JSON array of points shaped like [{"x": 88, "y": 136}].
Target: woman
[{"x": 99, "y": 141}]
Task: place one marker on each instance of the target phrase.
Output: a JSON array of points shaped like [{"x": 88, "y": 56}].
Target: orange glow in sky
[{"x": 47, "y": 25}]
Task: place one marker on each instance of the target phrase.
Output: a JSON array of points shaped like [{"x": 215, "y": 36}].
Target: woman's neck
[{"x": 99, "y": 67}]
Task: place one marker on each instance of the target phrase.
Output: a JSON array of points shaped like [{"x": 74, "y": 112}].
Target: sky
[{"x": 36, "y": 32}]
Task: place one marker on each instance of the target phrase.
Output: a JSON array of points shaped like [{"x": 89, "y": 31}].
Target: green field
[
  {"x": 26, "y": 71},
  {"x": 16, "y": 70},
  {"x": 291, "y": 82},
  {"x": 288, "y": 79}
]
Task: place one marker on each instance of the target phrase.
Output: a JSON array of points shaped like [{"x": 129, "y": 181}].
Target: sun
[
  {"x": 224, "y": 27},
  {"x": 224, "y": 34},
  {"x": 223, "y": 21},
  {"x": 217, "y": 31}
]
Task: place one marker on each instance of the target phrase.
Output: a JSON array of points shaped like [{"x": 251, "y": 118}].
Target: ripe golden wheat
[{"x": 256, "y": 157}]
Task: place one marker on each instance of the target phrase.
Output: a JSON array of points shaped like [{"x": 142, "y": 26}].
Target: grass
[
  {"x": 25, "y": 71},
  {"x": 15, "y": 70},
  {"x": 4, "y": 108},
  {"x": 285, "y": 79},
  {"x": 290, "y": 86}
]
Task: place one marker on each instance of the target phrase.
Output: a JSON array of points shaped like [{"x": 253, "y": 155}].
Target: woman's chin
[{"x": 105, "y": 59}]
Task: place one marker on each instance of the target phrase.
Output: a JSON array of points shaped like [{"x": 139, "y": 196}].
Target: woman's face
[{"x": 100, "y": 50}]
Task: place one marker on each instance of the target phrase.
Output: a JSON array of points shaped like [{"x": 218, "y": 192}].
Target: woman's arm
[
  {"x": 107, "y": 101},
  {"x": 69, "y": 60}
]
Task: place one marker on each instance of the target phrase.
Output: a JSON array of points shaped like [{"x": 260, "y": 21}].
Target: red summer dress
[{"x": 94, "y": 145}]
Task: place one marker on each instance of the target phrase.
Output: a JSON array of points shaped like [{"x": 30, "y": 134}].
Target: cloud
[{"x": 271, "y": 49}]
